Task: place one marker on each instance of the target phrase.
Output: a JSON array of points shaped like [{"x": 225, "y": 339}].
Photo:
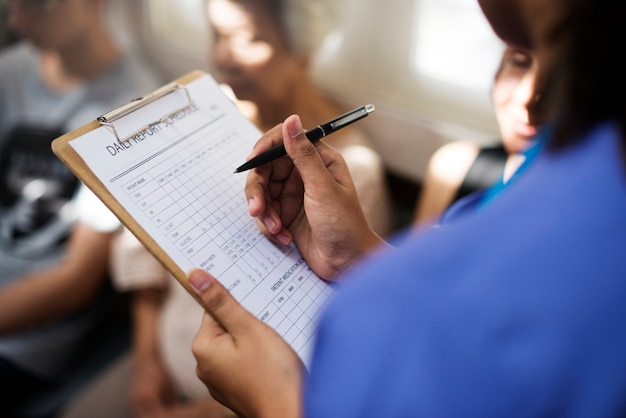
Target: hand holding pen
[
  {"x": 309, "y": 199},
  {"x": 312, "y": 135}
]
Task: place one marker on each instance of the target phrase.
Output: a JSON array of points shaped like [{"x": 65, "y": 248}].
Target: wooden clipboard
[
  {"x": 77, "y": 165},
  {"x": 206, "y": 225}
]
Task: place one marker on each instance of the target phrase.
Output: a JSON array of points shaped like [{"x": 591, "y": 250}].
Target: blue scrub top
[{"x": 516, "y": 309}]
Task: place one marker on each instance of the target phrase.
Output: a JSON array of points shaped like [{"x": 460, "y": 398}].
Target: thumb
[
  {"x": 304, "y": 154},
  {"x": 218, "y": 302}
]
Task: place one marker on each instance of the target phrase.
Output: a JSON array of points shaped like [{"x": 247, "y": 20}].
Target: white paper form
[{"x": 176, "y": 180}]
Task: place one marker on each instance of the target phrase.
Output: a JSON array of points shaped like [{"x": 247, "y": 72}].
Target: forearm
[
  {"x": 152, "y": 389},
  {"x": 32, "y": 300},
  {"x": 58, "y": 290},
  {"x": 146, "y": 305}
]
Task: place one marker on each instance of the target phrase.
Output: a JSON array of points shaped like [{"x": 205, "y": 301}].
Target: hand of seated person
[
  {"x": 152, "y": 391},
  {"x": 309, "y": 198},
  {"x": 244, "y": 363}
]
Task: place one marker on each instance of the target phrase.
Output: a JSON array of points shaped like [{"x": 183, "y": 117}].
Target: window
[
  {"x": 454, "y": 44},
  {"x": 427, "y": 65},
  {"x": 432, "y": 59}
]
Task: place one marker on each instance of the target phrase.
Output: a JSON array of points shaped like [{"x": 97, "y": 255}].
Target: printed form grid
[{"x": 177, "y": 200}]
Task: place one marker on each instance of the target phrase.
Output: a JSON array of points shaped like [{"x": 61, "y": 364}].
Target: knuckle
[
  {"x": 306, "y": 150},
  {"x": 197, "y": 348},
  {"x": 329, "y": 153},
  {"x": 215, "y": 299}
]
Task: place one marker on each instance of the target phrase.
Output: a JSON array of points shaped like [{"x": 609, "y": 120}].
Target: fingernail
[
  {"x": 270, "y": 224},
  {"x": 283, "y": 238},
  {"x": 199, "y": 280},
  {"x": 294, "y": 127}
]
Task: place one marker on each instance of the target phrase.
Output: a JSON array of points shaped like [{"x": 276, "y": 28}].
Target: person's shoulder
[
  {"x": 19, "y": 49},
  {"x": 453, "y": 160},
  {"x": 131, "y": 77},
  {"x": 353, "y": 142},
  {"x": 93, "y": 213},
  {"x": 323, "y": 107},
  {"x": 17, "y": 57},
  {"x": 450, "y": 163},
  {"x": 356, "y": 148},
  {"x": 138, "y": 67},
  {"x": 473, "y": 288},
  {"x": 445, "y": 174}
]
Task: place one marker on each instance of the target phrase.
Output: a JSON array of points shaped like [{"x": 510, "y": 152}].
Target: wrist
[
  {"x": 367, "y": 242},
  {"x": 293, "y": 410}
]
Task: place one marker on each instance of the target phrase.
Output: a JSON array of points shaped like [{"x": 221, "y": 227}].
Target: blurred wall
[{"x": 427, "y": 65}]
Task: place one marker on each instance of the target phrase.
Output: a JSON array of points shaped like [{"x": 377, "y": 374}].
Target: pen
[{"x": 312, "y": 135}]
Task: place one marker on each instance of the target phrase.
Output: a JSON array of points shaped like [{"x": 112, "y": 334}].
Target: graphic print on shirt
[{"x": 36, "y": 191}]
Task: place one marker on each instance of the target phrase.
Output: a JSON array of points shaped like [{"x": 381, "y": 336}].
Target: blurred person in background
[
  {"x": 263, "y": 51},
  {"x": 54, "y": 234},
  {"x": 462, "y": 167}
]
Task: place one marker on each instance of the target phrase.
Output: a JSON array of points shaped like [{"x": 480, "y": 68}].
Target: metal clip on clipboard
[{"x": 110, "y": 117}]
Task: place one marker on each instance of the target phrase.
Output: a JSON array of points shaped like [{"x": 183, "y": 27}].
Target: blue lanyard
[{"x": 530, "y": 155}]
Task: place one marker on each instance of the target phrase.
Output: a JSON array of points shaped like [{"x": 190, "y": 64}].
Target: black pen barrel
[
  {"x": 264, "y": 158},
  {"x": 313, "y": 135}
]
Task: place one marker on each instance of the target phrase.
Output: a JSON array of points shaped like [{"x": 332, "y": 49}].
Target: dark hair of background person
[{"x": 7, "y": 37}]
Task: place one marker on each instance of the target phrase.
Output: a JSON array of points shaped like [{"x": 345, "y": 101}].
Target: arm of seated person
[
  {"x": 152, "y": 390},
  {"x": 444, "y": 176},
  {"x": 60, "y": 289}
]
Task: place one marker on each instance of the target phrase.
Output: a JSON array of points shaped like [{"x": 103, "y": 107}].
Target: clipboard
[
  {"x": 66, "y": 153},
  {"x": 205, "y": 130}
]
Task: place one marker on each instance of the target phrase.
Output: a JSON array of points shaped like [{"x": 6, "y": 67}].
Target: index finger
[
  {"x": 258, "y": 179},
  {"x": 269, "y": 140}
]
